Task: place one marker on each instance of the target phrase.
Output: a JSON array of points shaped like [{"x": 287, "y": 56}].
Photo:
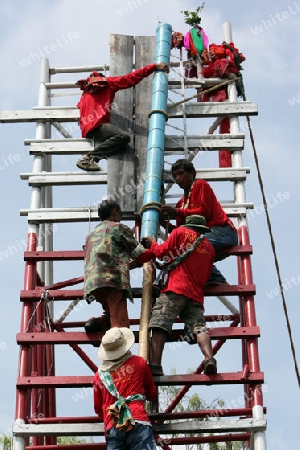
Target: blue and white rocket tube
[{"x": 156, "y": 137}]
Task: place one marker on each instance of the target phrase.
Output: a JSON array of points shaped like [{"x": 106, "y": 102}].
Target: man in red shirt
[
  {"x": 199, "y": 198},
  {"x": 95, "y": 106},
  {"x": 183, "y": 294},
  {"x": 127, "y": 425}
]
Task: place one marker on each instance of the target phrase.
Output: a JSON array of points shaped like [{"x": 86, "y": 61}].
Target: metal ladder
[{"x": 37, "y": 345}]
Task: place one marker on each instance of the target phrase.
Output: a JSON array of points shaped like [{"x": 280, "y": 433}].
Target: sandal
[
  {"x": 88, "y": 164},
  {"x": 210, "y": 367},
  {"x": 95, "y": 324},
  {"x": 156, "y": 370}
]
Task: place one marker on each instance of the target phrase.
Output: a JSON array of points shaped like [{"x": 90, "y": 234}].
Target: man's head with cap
[
  {"x": 93, "y": 83},
  {"x": 197, "y": 223}
]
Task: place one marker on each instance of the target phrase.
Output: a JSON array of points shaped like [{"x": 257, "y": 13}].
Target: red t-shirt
[
  {"x": 132, "y": 377},
  {"x": 95, "y": 108},
  {"x": 202, "y": 201},
  {"x": 190, "y": 276}
]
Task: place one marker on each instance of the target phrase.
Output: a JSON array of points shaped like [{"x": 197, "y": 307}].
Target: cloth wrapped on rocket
[
  {"x": 195, "y": 41},
  {"x": 221, "y": 60}
]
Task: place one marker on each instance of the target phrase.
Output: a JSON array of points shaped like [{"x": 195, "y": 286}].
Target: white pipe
[
  {"x": 237, "y": 161},
  {"x": 18, "y": 441},
  {"x": 43, "y": 196},
  {"x": 259, "y": 437}
]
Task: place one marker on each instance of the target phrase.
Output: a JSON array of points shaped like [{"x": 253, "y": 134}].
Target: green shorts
[{"x": 169, "y": 306}]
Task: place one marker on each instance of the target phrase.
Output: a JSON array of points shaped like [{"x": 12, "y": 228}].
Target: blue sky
[{"x": 77, "y": 32}]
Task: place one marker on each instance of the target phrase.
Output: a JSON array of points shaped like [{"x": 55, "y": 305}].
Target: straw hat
[{"x": 115, "y": 343}]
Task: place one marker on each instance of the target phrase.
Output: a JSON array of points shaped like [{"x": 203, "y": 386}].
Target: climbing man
[
  {"x": 108, "y": 250},
  {"x": 95, "y": 106},
  {"x": 182, "y": 294},
  {"x": 199, "y": 198}
]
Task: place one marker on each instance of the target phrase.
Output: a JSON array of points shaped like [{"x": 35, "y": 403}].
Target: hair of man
[
  {"x": 106, "y": 207},
  {"x": 188, "y": 166}
]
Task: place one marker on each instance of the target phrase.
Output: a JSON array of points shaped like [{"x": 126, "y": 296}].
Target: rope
[
  {"x": 213, "y": 88},
  {"x": 150, "y": 205},
  {"x": 167, "y": 228},
  {"x": 161, "y": 111},
  {"x": 90, "y": 215},
  {"x": 44, "y": 297},
  {"x": 273, "y": 248},
  {"x": 33, "y": 313}
]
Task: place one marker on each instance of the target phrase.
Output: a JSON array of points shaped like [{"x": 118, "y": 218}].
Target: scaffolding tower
[{"x": 37, "y": 422}]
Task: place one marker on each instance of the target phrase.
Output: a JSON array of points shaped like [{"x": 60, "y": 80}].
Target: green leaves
[
  {"x": 5, "y": 442},
  {"x": 192, "y": 17}
]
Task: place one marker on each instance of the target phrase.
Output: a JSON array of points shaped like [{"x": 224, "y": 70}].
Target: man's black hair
[
  {"x": 187, "y": 165},
  {"x": 106, "y": 207}
]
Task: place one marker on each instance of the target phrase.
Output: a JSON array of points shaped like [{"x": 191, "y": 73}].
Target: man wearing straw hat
[{"x": 121, "y": 386}]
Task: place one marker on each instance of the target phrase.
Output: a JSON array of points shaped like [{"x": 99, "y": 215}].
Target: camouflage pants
[{"x": 169, "y": 306}]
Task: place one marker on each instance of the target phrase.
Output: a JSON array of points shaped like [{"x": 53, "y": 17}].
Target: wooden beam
[
  {"x": 218, "y": 426},
  {"x": 60, "y": 294},
  {"x": 194, "y": 82},
  {"x": 172, "y": 143},
  {"x": 69, "y": 255},
  {"x": 121, "y": 166},
  {"x": 64, "y": 255},
  {"x": 193, "y": 110},
  {"x": 223, "y": 333},
  {"x": 66, "y": 429},
  {"x": 238, "y": 250},
  {"x": 217, "y": 109},
  {"x": 215, "y": 174},
  {"x": 144, "y": 54},
  {"x": 62, "y": 146},
  {"x": 204, "y": 142},
  {"x": 65, "y": 178},
  {"x": 94, "y": 429},
  {"x": 84, "y": 178},
  {"x": 167, "y": 380},
  {"x": 85, "y": 214},
  {"x": 80, "y": 337},
  {"x": 67, "y": 114}
]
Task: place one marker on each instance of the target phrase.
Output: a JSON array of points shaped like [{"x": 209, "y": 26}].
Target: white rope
[
  {"x": 228, "y": 304},
  {"x": 90, "y": 214},
  {"x": 68, "y": 310}
]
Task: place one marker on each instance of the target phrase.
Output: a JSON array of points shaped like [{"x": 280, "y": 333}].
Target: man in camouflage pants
[
  {"x": 182, "y": 296},
  {"x": 108, "y": 250}
]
